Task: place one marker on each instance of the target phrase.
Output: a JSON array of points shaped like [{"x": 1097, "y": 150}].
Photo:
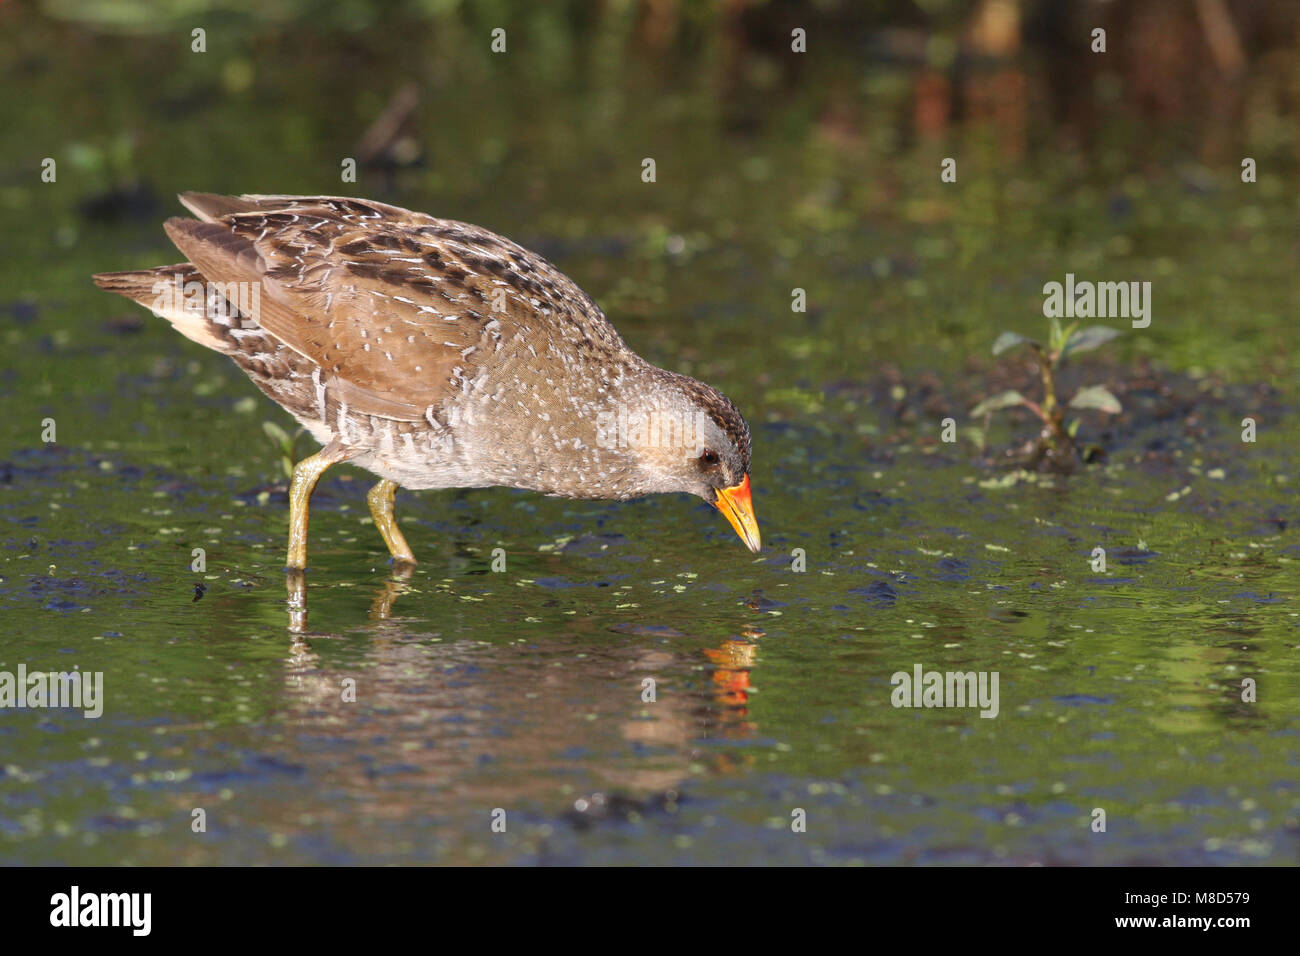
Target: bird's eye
[{"x": 709, "y": 458}]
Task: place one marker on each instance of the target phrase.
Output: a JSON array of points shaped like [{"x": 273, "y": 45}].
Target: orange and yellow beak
[{"x": 738, "y": 506}]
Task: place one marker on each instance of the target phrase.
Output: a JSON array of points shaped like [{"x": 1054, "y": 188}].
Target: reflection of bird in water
[
  {"x": 436, "y": 354},
  {"x": 450, "y": 729}
]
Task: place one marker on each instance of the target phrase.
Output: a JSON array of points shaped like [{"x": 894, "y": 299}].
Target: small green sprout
[
  {"x": 1057, "y": 438},
  {"x": 286, "y": 444}
]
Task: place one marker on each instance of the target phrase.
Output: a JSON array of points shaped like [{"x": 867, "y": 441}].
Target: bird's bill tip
[{"x": 737, "y": 504}]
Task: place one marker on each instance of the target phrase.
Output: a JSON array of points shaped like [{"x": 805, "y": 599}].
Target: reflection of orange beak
[{"x": 738, "y": 505}]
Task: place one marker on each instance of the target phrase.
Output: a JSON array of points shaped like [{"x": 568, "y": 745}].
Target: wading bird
[{"x": 434, "y": 354}]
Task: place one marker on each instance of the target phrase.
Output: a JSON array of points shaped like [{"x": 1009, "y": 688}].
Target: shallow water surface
[{"x": 523, "y": 690}]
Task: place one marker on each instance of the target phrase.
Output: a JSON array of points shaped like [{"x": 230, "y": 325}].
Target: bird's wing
[{"x": 400, "y": 306}]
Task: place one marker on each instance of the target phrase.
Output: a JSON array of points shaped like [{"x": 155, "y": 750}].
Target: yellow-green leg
[
  {"x": 381, "y": 509},
  {"x": 305, "y": 475}
]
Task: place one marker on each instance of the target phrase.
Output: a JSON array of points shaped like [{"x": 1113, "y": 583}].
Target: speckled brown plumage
[{"x": 433, "y": 353}]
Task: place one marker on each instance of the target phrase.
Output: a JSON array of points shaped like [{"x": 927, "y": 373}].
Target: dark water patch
[
  {"x": 953, "y": 569},
  {"x": 878, "y": 593},
  {"x": 605, "y": 809},
  {"x": 1270, "y": 598},
  {"x": 1131, "y": 556},
  {"x": 646, "y": 630}
]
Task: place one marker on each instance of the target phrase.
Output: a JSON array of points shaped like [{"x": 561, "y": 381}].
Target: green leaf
[
  {"x": 1098, "y": 397},
  {"x": 1059, "y": 338},
  {"x": 1073, "y": 428},
  {"x": 276, "y": 434},
  {"x": 1009, "y": 340},
  {"x": 1005, "y": 400},
  {"x": 1056, "y": 338},
  {"x": 975, "y": 436},
  {"x": 1085, "y": 340}
]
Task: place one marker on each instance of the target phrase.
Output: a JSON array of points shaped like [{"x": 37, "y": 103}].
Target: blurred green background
[{"x": 820, "y": 169}]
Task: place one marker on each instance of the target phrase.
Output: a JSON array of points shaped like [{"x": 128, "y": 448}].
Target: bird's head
[{"x": 692, "y": 439}]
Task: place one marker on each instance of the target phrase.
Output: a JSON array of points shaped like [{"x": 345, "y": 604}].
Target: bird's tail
[{"x": 182, "y": 296}]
